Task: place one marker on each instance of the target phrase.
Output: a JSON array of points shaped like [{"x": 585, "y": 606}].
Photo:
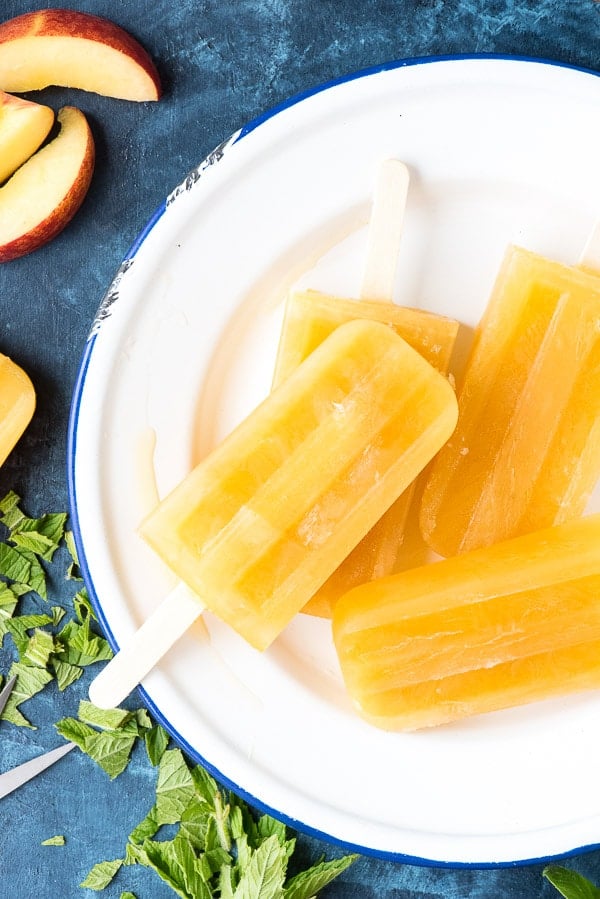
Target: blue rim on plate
[{"x": 72, "y": 451}]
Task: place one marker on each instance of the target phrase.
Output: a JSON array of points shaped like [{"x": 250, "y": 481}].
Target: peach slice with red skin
[
  {"x": 68, "y": 48},
  {"x": 44, "y": 194},
  {"x": 24, "y": 127}
]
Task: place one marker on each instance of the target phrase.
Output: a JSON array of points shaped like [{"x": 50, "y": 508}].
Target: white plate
[{"x": 499, "y": 151}]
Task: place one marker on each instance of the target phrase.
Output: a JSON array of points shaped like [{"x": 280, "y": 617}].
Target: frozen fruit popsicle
[
  {"x": 496, "y": 627},
  {"x": 310, "y": 316},
  {"x": 262, "y": 521},
  {"x": 17, "y": 404},
  {"x": 526, "y": 451}
]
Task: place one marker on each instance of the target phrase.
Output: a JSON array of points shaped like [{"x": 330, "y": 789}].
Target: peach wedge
[
  {"x": 23, "y": 128},
  {"x": 39, "y": 200},
  {"x": 68, "y": 48}
]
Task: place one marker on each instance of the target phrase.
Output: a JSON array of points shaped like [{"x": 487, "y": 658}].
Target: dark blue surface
[{"x": 222, "y": 65}]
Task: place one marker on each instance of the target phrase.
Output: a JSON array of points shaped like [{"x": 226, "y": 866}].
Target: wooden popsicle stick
[
  {"x": 385, "y": 231},
  {"x": 590, "y": 255},
  {"x": 171, "y": 619}
]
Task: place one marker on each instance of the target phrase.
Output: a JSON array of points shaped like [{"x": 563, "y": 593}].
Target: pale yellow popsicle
[
  {"x": 310, "y": 316},
  {"x": 17, "y": 404},
  {"x": 262, "y": 522}
]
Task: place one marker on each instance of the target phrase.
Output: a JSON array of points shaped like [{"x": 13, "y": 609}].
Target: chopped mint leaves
[
  {"x": 220, "y": 848},
  {"x": 49, "y": 648}
]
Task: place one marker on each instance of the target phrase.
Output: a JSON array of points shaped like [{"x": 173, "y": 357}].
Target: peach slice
[
  {"x": 39, "y": 200},
  {"x": 23, "y": 128},
  {"x": 17, "y": 404},
  {"x": 74, "y": 49}
]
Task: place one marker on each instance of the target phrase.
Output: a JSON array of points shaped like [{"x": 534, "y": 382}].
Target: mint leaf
[
  {"x": 8, "y": 504},
  {"x": 81, "y": 646},
  {"x": 107, "y": 719},
  {"x": 570, "y": 884},
  {"x": 36, "y": 576},
  {"x": 40, "y": 535},
  {"x": 8, "y": 605},
  {"x": 37, "y": 543},
  {"x": 175, "y": 863},
  {"x": 40, "y": 647},
  {"x": 109, "y": 749},
  {"x": 101, "y": 875},
  {"x": 14, "y": 566},
  {"x": 308, "y": 883},
  {"x": 54, "y": 841},
  {"x": 264, "y": 876},
  {"x": 205, "y": 786},
  {"x": 147, "y": 827},
  {"x": 30, "y": 680},
  {"x": 175, "y": 787},
  {"x": 18, "y": 626},
  {"x": 157, "y": 740},
  {"x": 65, "y": 673}
]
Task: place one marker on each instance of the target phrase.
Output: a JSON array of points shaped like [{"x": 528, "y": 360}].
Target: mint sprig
[
  {"x": 570, "y": 884},
  {"x": 220, "y": 849}
]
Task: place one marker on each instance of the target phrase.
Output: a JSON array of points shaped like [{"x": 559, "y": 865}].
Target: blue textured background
[{"x": 222, "y": 63}]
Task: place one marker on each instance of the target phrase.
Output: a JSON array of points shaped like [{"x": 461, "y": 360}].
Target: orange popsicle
[
  {"x": 496, "y": 627},
  {"x": 17, "y": 404},
  {"x": 310, "y": 316},
  {"x": 260, "y": 524},
  {"x": 526, "y": 451}
]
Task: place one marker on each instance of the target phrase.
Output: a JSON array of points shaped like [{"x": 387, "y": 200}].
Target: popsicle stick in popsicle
[
  {"x": 590, "y": 255},
  {"x": 385, "y": 231},
  {"x": 181, "y": 608},
  {"x": 171, "y": 619},
  {"x": 263, "y": 520}
]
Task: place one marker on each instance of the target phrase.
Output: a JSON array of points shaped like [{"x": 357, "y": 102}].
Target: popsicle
[
  {"x": 263, "y": 520},
  {"x": 526, "y": 451},
  {"x": 310, "y": 316},
  {"x": 17, "y": 404},
  {"x": 496, "y": 627}
]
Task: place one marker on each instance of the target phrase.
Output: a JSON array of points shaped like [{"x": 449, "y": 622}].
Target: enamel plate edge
[{"x": 424, "y": 803}]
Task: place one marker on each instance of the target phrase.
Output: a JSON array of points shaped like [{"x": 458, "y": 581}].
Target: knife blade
[{"x": 18, "y": 776}]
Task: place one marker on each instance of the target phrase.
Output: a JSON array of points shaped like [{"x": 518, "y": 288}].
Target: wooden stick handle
[
  {"x": 590, "y": 255},
  {"x": 176, "y": 613},
  {"x": 385, "y": 231}
]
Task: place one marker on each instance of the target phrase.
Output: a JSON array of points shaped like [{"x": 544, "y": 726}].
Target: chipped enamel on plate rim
[{"x": 183, "y": 346}]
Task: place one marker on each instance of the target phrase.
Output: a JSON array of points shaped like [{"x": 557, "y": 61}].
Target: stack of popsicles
[
  {"x": 512, "y": 615},
  {"x": 307, "y": 498}
]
